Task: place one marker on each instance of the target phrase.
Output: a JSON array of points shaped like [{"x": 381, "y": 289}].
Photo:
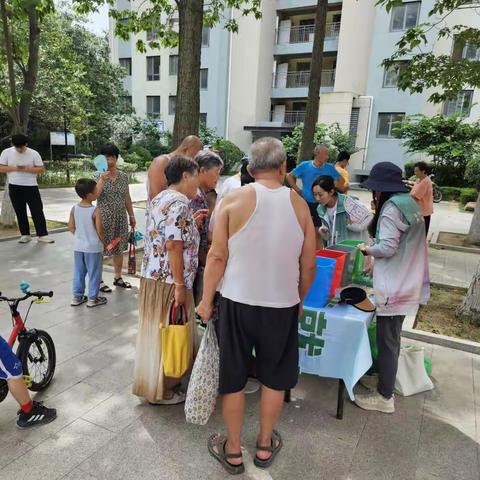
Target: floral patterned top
[{"x": 169, "y": 217}]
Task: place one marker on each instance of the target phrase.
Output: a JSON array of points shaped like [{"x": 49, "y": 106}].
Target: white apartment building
[{"x": 255, "y": 83}]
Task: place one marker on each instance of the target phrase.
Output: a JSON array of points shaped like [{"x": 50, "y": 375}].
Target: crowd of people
[{"x": 244, "y": 259}]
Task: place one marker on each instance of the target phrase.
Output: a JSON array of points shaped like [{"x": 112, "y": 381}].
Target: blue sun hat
[{"x": 385, "y": 177}]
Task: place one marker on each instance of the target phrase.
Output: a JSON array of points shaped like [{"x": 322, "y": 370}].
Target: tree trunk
[
  {"x": 187, "y": 111},
  {"x": 7, "y": 214},
  {"x": 30, "y": 74},
  {"x": 7, "y": 40},
  {"x": 311, "y": 113},
  {"x": 474, "y": 233},
  {"x": 470, "y": 308}
]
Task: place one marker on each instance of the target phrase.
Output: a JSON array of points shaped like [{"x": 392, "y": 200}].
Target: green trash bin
[{"x": 359, "y": 262}]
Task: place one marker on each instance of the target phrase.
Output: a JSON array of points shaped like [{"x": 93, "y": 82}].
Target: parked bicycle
[{"x": 36, "y": 349}]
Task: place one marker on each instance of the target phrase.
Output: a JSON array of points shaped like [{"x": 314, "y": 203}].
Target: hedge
[
  {"x": 450, "y": 175},
  {"x": 462, "y": 195}
]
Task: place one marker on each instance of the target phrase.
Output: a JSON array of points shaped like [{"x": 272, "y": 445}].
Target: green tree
[
  {"x": 158, "y": 16},
  {"x": 424, "y": 69},
  {"x": 20, "y": 28}
]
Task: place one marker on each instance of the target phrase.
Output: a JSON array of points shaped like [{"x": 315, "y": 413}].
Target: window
[
  {"x": 392, "y": 74},
  {"x": 173, "y": 65},
  {"x": 153, "y": 68},
  {"x": 387, "y": 123},
  {"x": 205, "y": 37},
  {"x": 461, "y": 105},
  {"x": 127, "y": 103},
  {"x": 172, "y": 104},
  {"x": 126, "y": 64},
  {"x": 153, "y": 106},
  {"x": 471, "y": 53},
  {"x": 152, "y": 35},
  {"x": 203, "y": 78},
  {"x": 203, "y": 119},
  {"x": 405, "y": 16},
  {"x": 354, "y": 122}
]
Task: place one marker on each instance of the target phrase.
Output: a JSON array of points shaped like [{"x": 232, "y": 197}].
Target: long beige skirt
[{"x": 155, "y": 298}]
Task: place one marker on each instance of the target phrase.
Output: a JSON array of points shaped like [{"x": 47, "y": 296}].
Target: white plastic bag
[
  {"x": 203, "y": 387},
  {"x": 412, "y": 377}
]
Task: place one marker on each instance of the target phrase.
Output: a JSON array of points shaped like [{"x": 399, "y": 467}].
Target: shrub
[
  {"x": 133, "y": 159},
  {"x": 472, "y": 172},
  {"x": 143, "y": 154},
  {"x": 231, "y": 155},
  {"x": 449, "y": 174},
  {"x": 147, "y": 165},
  {"x": 468, "y": 195},
  {"x": 409, "y": 167},
  {"x": 451, "y": 193}
]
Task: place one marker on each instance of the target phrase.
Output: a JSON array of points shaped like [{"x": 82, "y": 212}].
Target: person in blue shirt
[{"x": 308, "y": 172}]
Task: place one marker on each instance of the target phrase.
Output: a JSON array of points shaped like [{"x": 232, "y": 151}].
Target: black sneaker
[{"x": 38, "y": 415}]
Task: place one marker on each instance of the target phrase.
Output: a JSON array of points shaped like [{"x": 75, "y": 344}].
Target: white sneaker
[
  {"x": 370, "y": 382},
  {"x": 25, "y": 239},
  {"x": 178, "y": 397},
  {"x": 46, "y": 239},
  {"x": 376, "y": 402}
]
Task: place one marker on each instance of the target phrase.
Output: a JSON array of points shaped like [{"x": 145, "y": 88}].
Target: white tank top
[
  {"x": 86, "y": 237},
  {"x": 263, "y": 267}
]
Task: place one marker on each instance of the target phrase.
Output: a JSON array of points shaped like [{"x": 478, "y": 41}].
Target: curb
[
  {"x": 443, "y": 246},
  {"x": 442, "y": 340},
  {"x": 51, "y": 232},
  {"x": 408, "y": 331}
]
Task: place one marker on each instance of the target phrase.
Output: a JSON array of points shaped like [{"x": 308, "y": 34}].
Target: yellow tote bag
[{"x": 176, "y": 344}]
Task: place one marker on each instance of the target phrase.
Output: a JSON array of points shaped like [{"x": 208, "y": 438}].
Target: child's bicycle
[{"x": 35, "y": 349}]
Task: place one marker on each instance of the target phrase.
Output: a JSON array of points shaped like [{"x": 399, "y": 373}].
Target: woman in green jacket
[{"x": 343, "y": 217}]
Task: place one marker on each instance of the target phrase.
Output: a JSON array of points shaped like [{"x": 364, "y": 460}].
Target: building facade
[{"x": 255, "y": 83}]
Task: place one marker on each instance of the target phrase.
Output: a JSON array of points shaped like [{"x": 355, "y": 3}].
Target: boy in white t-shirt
[
  {"x": 86, "y": 225},
  {"x": 22, "y": 165}
]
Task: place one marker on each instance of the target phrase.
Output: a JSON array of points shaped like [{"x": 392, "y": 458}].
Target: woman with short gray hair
[{"x": 210, "y": 166}]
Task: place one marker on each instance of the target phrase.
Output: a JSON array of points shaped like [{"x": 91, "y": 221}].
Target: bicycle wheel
[
  {"x": 37, "y": 354},
  {"x": 437, "y": 195}
]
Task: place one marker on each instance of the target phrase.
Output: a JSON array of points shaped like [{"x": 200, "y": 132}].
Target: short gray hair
[
  {"x": 266, "y": 154},
  {"x": 321, "y": 146},
  {"x": 207, "y": 159}
]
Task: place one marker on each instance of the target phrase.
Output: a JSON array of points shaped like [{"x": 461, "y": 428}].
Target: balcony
[
  {"x": 295, "y": 4},
  {"x": 293, "y": 118},
  {"x": 298, "y": 40},
  {"x": 295, "y": 84}
]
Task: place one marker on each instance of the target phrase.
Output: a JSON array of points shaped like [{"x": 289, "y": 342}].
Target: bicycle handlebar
[{"x": 38, "y": 294}]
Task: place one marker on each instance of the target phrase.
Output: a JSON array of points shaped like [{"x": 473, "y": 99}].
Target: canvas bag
[
  {"x": 203, "y": 387},
  {"x": 412, "y": 377},
  {"x": 176, "y": 344}
]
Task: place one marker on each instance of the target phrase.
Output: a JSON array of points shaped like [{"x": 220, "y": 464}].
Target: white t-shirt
[
  {"x": 231, "y": 183},
  {"x": 29, "y": 158}
]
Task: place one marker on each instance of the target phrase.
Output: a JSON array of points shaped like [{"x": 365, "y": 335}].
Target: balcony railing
[
  {"x": 302, "y": 79},
  {"x": 305, "y": 33},
  {"x": 293, "y": 117}
]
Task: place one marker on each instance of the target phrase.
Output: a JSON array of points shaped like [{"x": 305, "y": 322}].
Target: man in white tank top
[{"x": 264, "y": 249}]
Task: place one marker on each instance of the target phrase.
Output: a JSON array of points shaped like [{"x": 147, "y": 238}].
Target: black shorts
[
  {"x": 273, "y": 332},
  {"x": 314, "y": 213}
]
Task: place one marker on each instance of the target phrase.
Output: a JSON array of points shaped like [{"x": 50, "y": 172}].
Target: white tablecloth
[{"x": 333, "y": 342}]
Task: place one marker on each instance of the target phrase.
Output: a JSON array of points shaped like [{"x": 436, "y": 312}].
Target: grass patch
[
  {"x": 13, "y": 231},
  {"x": 439, "y": 315},
  {"x": 454, "y": 239}
]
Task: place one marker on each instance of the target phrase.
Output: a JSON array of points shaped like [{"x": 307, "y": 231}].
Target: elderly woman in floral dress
[{"x": 168, "y": 271}]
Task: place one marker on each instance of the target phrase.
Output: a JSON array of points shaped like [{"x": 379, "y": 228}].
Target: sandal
[
  {"x": 276, "y": 440},
  {"x": 120, "y": 282},
  {"x": 218, "y": 441},
  {"x": 104, "y": 288}
]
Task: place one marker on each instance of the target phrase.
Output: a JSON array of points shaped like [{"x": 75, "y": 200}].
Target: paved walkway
[{"x": 104, "y": 432}]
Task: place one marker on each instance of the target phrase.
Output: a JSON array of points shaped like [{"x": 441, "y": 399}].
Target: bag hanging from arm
[
  {"x": 176, "y": 343},
  {"x": 132, "y": 258},
  {"x": 203, "y": 387}
]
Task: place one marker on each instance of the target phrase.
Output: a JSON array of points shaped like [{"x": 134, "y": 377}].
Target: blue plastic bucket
[{"x": 319, "y": 294}]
